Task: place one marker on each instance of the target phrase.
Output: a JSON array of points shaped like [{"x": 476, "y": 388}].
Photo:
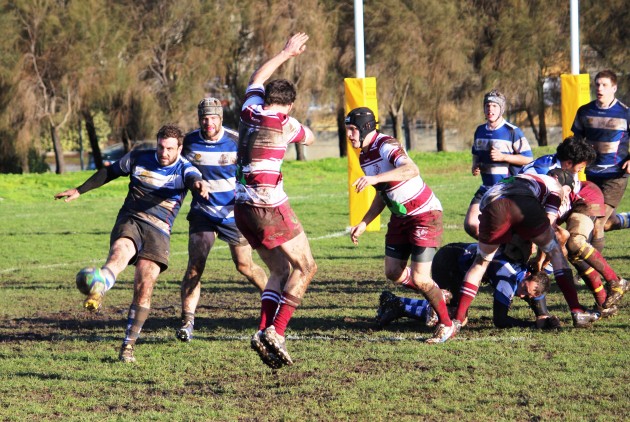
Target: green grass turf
[{"x": 59, "y": 363}]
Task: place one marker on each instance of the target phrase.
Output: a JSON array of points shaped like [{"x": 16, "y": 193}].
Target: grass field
[{"x": 59, "y": 363}]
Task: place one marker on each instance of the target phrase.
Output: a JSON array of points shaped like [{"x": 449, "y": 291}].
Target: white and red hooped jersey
[
  {"x": 545, "y": 189},
  {"x": 408, "y": 197},
  {"x": 263, "y": 139}
]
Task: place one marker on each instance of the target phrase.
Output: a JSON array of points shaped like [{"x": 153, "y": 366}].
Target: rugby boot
[
  {"x": 94, "y": 301},
  {"x": 608, "y": 312},
  {"x": 126, "y": 354},
  {"x": 584, "y": 318},
  {"x": 616, "y": 289},
  {"x": 268, "y": 357},
  {"x": 390, "y": 309},
  {"x": 185, "y": 333},
  {"x": 276, "y": 344},
  {"x": 442, "y": 334}
]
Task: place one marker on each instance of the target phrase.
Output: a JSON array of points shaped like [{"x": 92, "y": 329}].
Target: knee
[
  {"x": 193, "y": 274},
  {"x": 310, "y": 268},
  {"x": 395, "y": 274},
  {"x": 575, "y": 243}
]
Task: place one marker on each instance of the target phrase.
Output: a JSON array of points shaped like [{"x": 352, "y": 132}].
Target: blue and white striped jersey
[
  {"x": 216, "y": 160},
  {"x": 156, "y": 192},
  {"x": 504, "y": 276},
  {"x": 509, "y": 139},
  {"x": 607, "y": 130}
]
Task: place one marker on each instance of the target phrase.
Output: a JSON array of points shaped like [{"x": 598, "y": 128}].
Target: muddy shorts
[
  {"x": 151, "y": 243},
  {"x": 268, "y": 227},
  {"x": 613, "y": 189},
  {"x": 406, "y": 234},
  {"x": 502, "y": 217},
  {"x": 229, "y": 233}
]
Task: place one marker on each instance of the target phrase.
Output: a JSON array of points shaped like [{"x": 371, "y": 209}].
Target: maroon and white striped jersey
[
  {"x": 408, "y": 197},
  {"x": 263, "y": 139}
]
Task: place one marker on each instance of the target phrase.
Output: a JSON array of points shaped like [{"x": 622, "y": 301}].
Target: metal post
[
  {"x": 358, "y": 38},
  {"x": 575, "y": 38}
]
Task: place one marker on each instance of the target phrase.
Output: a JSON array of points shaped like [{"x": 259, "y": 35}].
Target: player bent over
[
  {"x": 507, "y": 275},
  {"x": 212, "y": 149},
  {"x": 158, "y": 183},
  {"x": 262, "y": 209},
  {"x": 585, "y": 205},
  {"x": 415, "y": 227},
  {"x": 528, "y": 206}
]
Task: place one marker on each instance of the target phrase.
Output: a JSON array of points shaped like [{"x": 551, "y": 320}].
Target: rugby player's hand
[
  {"x": 363, "y": 182},
  {"x": 357, "y": 231},
  {"x": 70, "y": 195},
  {"x": 202, "y": 189},
  {"x": 548, "y": 322},
  {"x": 296, "y": 45},
  {"x": 496, "y": 155}
]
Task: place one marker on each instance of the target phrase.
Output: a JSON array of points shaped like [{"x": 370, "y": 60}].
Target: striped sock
[
  {"x": 110, "y": 279},
  {"x": 288, "y": 305},
  {"x": 408, "y": 280},
  {"x": 467, "y": 295},
  {"x": 415, "y": 308},
  {"x": 269, "y": 301},
  {"x": 135, "y": 320},
  {"x": 624, "y": 220}
]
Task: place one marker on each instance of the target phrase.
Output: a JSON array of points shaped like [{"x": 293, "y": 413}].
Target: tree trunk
[
  {"x": 341, "y": 131},
  {"x": 125, "y": 140},
  {"x": 439, "y": 131},
  {"x": 59, "y": 161},
  {"x": 406, "y": 131},
  {"x": 299, "y": 152},
  {"x": 530, "y": 119},
  {"x": 413, "y": 134},
  {"x": 541, "y": 114},
  {"x": 91, "y": 131},
  {"x": 398, "y": 126}
]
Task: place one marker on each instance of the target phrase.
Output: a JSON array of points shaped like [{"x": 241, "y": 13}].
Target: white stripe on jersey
[{"x": 221, "y": 185}]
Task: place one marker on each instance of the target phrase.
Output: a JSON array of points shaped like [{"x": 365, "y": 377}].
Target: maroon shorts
[
  {"x": 501, "y": 218},
  {"x": 424, "y": 230},
  {"x": 268, "y": 227}
]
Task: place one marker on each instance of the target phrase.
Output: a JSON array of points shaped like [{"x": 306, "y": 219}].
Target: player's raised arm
[{"x": 295, "y": 46}]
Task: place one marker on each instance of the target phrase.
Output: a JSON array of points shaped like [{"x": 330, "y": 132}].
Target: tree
[
  {"x": 46, "y": 81},
  {"x": 526, "y": 43}
]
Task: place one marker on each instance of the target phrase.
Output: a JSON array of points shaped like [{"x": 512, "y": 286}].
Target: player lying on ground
[{"x": 509, "y": 277}]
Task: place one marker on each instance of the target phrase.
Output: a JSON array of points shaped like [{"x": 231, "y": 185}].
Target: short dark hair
[
  {"x": 576, "y": 149},
  {"x": 280, "y": 92},
  {"x": 607, "y": 74},
  {"x": 171, "y": 131},
  {"x": 542, "y": 282}
]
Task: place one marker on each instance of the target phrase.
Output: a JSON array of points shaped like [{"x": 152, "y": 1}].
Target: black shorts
[
  {"x": 229, "y": 233},
  {"x": 613, "y": 189},
  {"x": 151, "y": 243},
  {"x": 446, "y": 271}
]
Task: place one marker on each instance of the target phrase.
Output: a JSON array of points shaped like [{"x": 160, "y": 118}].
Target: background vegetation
[
  {"x": 118, "y": 69},
  {"x": 59, "y": 363}
]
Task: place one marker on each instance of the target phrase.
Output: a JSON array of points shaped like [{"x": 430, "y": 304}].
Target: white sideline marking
[
  {"x": 219, "y": 247},
  {"x": 507, "y": 339}
]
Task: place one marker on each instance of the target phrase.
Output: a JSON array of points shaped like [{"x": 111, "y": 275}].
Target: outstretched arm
[
  {"x": 294, "y": 47},
  {"x": 98, "y": 179}
]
